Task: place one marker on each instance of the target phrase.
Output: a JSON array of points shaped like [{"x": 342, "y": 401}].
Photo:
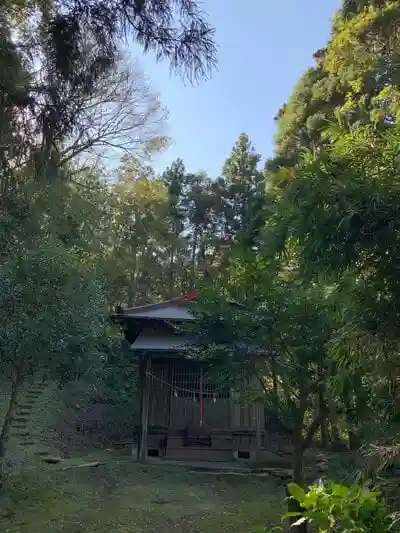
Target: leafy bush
[
  {"x": 118, "y": 376},
  {"x": 334, "y": 507}
]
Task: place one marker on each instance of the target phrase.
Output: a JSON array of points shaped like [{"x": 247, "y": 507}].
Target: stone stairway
[
  {"x": 28, "y": 425},
  {"x": 21, "y": 425}
]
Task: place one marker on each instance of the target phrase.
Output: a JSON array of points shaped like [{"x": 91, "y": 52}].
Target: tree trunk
[
  {"x": 5, "y": 430},
  {"x": 323, "y": 414},
  {"x": 172, "y": 272},
  {"x": 274, "y": 380},
  {"x": 354, "y": 441},
  {"x": 298, "y": 465},
  {"x": 335, "y": 437},
  {"x": 298, "y": 459},
  {"x": 193, "y": 258}
]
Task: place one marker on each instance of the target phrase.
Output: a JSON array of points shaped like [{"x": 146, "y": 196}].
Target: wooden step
[
  {"x": 198, "y": 454},
  {"x": 222, "y": 443},
  {"x": 174, "y": 442},
  {"x": 217, "y": 442}
]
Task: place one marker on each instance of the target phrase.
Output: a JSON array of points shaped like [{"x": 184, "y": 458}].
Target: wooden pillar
[
  {"x": 140, "y": 398},
  {"x": 144, "y": 408},
  {"x": 170, "y": 392},
  {"x": 201, "y": 397},
  {"x": 232, "y": 419},
  {"x": 260, "y": 421},
  {"x": 258, "y": 428}
]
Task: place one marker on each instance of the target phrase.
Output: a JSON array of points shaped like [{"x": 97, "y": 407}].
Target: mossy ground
[{"x": 125, "y": 497}]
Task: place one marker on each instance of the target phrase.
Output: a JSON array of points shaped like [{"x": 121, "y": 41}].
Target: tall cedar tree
[{"x": 244, "y": 195}]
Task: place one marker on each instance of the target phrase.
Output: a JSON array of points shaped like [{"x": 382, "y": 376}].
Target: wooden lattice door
[{"x": 196, "y": 400}]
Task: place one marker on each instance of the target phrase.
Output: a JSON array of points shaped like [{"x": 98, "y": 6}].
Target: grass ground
[{"x": 124, "y": 497}]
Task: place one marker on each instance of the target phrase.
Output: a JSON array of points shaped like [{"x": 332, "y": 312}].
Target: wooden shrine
[{"x": 184, "y": 414}]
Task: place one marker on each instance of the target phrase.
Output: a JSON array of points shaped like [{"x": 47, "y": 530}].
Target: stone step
[
  {"x": 27, "y": 405},
  {"x": 18, "y": 426},
  {"x": 20, "y": 419},
  {"x": 22, "y": 434}
]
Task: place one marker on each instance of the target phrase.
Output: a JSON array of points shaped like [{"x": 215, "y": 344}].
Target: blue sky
[{"x": 264, "y": 47}]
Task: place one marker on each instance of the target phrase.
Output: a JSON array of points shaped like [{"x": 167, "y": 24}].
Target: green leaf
[
  {"x": 339, "y": 490},
  {"x": 296, "y": 492},
  {"x": 316, "y": 516}
]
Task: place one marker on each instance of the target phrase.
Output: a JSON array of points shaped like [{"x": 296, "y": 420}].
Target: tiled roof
[{"x": 171, "y": 310}]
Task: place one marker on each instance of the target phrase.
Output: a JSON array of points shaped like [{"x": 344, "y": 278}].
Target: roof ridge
[{"x": 189, "y": 297}]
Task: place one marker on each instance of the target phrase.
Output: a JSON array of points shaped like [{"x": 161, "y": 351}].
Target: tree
[
  {"x": 353, "y": 216},
  {"x": 244, "y": 195},
  {"x": 121, "y": 116},
  {"x": 299, "y": 119},
  {"x": 334, "y": 181},
  {"x": 64, "y": 93},
  {"x": 263, "y": 336},
  {"x": 353, "y": 82},
  {"x": 118, "y": 115},
  {"x": 277, "y": 335},
  {"x": 137, "y": 257},
  {"x": 175, "y": 180},
  {"x": 176, "y": 30},
  {"x": 363, "y": 54},
  {"x": 203, "y": 210},
  {"x": 196, "y": 224},
  {"x": 53, "y": 320}
]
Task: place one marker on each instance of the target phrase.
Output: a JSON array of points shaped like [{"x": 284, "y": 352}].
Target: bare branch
[{"x": 122, "y": 116}]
